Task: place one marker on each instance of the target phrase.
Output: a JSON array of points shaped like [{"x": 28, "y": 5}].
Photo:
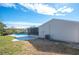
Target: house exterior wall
[{"x": 60, "y": 30}]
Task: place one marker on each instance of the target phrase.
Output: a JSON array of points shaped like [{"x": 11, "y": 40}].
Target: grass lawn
[{"x": 8, "y": 47}]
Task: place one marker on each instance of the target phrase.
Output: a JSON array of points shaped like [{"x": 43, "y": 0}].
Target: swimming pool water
[
  {"x": 19, "y": 35},
  {"x": 23, "y": 36}
]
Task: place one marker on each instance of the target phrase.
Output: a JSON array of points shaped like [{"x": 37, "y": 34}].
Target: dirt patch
[{"x": 46, "y": 47}]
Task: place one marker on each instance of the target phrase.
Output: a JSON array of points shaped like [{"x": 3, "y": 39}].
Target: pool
[
  {"x": 19, "y": 35},
  {"x": 23, "y": 36}
]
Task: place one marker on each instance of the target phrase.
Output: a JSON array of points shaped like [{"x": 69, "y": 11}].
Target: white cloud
[
  {"x": 47, "y": 10},
  {"x": 21, "y": 24},
  {"x": 68, "y": 10},
  {"x": 8, "y": 5},
  {"x": 59, "y": 14},
  {"x": 65, "y": 9},
  {"x": 42, "y": 8}
]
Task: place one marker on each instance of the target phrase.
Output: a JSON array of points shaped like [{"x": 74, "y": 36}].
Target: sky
[{"x": 34, "y": 14}]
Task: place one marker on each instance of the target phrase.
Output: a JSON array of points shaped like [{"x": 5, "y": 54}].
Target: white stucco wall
[{"x": 61, "y": 30}]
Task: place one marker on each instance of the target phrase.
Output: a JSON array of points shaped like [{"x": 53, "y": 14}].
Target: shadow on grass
[{"x": 53, "y": 47}]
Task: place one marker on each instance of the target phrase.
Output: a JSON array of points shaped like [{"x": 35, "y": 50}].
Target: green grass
[
  {"x": 6, "y": 38},
  {"x": 7, "y": 47}
]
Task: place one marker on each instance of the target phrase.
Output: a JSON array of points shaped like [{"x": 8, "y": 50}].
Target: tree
[
  {"x": 2, "y": 30},
  {"x": 11, "y": 31}
]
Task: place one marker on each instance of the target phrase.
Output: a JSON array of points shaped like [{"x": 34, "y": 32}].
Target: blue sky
[{"x": 34, "y": 14}]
